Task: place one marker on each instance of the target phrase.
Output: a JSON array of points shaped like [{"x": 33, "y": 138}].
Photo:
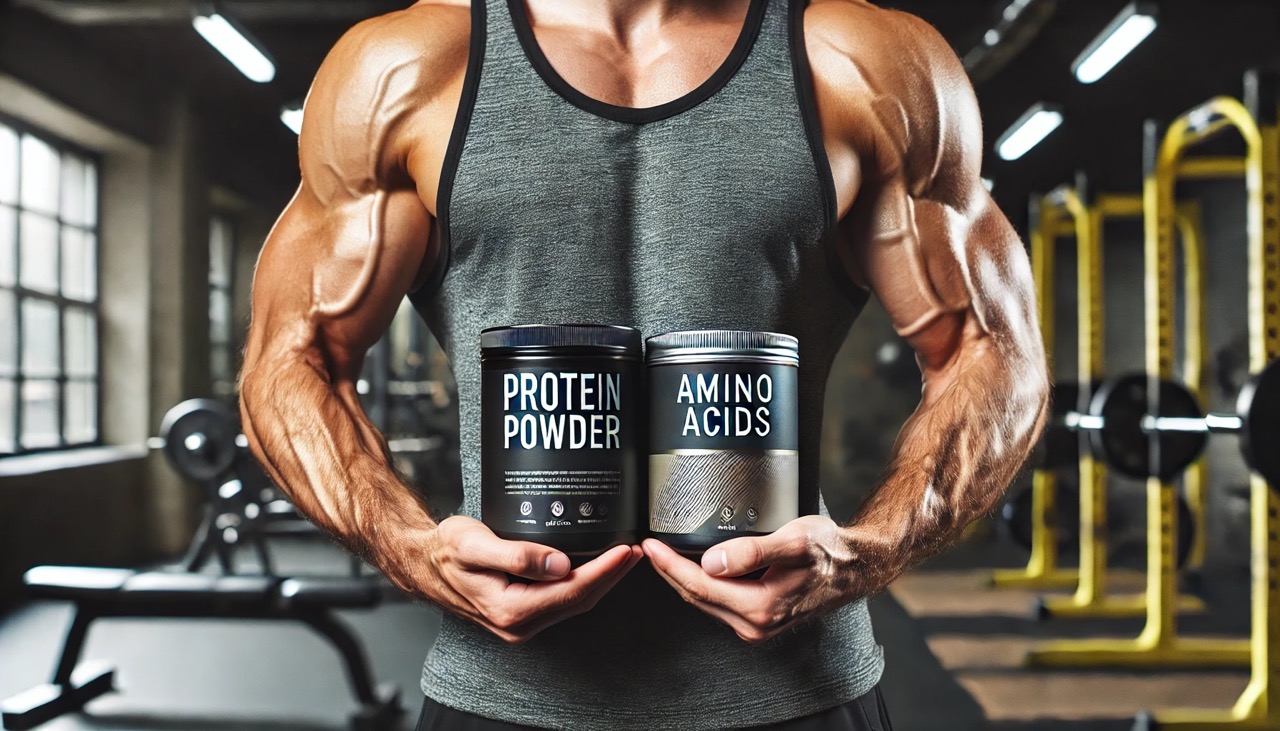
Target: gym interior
[{"x": 152, "y": 577}]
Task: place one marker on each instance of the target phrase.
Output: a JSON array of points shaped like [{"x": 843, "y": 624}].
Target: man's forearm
[
  {"x": 320, "y": 448},
  {"x": 954, "y": 458}
]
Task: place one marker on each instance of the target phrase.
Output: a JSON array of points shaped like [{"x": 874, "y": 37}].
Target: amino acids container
[
  {"x": 562, "y": 415},
  {"x": 723, "y": 443}
]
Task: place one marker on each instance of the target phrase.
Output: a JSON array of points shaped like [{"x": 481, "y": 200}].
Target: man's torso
[{"x": 864, "y": 62}]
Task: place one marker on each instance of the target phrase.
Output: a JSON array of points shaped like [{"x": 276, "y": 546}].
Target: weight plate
[
  {"x": 1126, "y": 447},
  {"x": 1259, "y": 410},
  {"x": 1015, "y": 521},
  {"x": 1015, "y": 518},
  {"x": 1186, "y": 531},
  {"x": 200, "y": 438},
  {"x": 1059, "y": 447}
]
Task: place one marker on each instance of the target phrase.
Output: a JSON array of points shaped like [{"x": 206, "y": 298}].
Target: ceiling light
[
  {"x": 991, "y": 37},
  {"x": 1033, "y": 126},
  {"x": 235, "y": 45},
  {"x": 291, "y": 115},
  {"x": 1122, "y": 35}
]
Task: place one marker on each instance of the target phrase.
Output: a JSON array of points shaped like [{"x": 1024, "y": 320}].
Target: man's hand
[
  {"x": 468, "y": 568},
  {"x": 811, "y": 570}
]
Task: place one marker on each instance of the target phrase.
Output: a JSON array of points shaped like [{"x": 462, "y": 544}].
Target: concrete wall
[{"x": 120, "y": 504}]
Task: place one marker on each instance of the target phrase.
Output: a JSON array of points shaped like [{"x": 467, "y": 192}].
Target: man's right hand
[{"x": 469, "y": 571}]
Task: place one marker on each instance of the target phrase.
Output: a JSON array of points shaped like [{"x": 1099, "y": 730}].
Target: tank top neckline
[{"x": 637, "y": 115}]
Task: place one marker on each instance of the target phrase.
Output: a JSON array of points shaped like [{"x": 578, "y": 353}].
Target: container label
[
  {"x": 723, "y": 445},
  {"x": 560, "y": 449}
]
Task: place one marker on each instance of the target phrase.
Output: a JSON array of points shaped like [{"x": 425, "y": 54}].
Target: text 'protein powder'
[
  {"x": 560, "y": 437},
  {"x": 723, "y": 441}
]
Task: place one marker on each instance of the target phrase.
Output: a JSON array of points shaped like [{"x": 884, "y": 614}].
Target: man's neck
[{"x": 629, "y": 21}]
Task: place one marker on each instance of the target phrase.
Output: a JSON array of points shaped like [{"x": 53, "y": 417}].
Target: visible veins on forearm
[
  {"x": 954, "y": 458},
  {"x": 331, "y": 462}
]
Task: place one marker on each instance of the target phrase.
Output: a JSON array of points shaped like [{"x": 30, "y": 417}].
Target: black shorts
[{"x": 865, "y": 713}]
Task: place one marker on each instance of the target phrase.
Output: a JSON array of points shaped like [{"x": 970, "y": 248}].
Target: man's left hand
[{"x": 810, "y": 565}]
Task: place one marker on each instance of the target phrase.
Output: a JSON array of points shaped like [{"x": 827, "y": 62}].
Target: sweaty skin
[{"x": 901, "y": 128}]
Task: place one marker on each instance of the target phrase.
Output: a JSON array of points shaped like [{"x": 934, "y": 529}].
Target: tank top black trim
[
  {"x": 809, "y": 109},
  {"x": 818, "y": 148},
  {"x": 453, "y": 153},
  {"x": 637, "y": 115}
]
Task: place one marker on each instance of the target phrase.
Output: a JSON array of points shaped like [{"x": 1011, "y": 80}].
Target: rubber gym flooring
[{"x": 952, "y": 650}]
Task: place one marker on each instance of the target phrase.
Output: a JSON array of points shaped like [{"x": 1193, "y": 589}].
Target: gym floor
[{"x": 959, "y": 650}]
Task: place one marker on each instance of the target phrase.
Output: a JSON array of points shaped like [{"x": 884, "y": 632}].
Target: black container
[
  {"x": 723, "y": 441},
  {"x": 561, "y": 434}
]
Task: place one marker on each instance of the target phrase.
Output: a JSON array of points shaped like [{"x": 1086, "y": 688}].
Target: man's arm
[
  {"x": 926, "y": 237},
  {"x": 353, "y": 241}
]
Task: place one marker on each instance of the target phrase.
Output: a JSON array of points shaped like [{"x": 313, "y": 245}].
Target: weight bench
[{"x": 103, "y": 593}]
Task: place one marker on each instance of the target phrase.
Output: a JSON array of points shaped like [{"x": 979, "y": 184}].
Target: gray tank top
[{"x": 710, "y": 211}]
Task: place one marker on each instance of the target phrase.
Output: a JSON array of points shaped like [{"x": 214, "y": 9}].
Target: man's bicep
[
  {"x": 331, "y": 276},
  {"x": 896, "y": 253},
  {"x": 945, "y": 274}
]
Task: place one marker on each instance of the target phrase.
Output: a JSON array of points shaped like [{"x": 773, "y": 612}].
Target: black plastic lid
[{"x": 612, "y": 338}]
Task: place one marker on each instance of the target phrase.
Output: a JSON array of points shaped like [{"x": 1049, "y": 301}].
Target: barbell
[{"x": 1124, "y": 432}]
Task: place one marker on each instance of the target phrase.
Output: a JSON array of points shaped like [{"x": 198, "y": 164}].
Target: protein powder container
[
  {"x": 723, "y": 443},
  {"x": 562, "y": 419}
]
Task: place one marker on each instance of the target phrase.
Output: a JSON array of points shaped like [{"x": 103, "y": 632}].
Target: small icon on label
[
  {"x": 752, "y": 515},
  {"x": 603, "y": 510},
  {"x": 586, "y": 509},
  {"x": 557, "y": 508},
  {"x": 726, "y": 513},
  {"x": 526, "y": 507}
]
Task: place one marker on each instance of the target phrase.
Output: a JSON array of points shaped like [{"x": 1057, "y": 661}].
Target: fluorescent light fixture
[
  {"x": 236, "y": 46},
  {"x": 1122, "y": 35},
  {"x": 291, "y": 115},
  {"x": 1033, "y": 126}
]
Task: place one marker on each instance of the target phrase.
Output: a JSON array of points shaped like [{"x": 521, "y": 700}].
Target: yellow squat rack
[
  {"x": 1072, "y": 212},
  {"x": 1258, "y": 121},
  {"x": 1158, "y": 645},
  {"x": 1042, "y": 570},
  {"x": 1088, "y": 215}
]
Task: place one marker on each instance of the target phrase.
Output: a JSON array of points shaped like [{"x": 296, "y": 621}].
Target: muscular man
[{"x": 663, "y": 164}]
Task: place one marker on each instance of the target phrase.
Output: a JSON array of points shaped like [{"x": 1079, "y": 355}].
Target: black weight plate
[
  {"x": 1059, "y": 447},
  {"x": 1259, "y": 410},
  {"x": 1122, "y": 443},
  {"x": 1127, "y": 533},
  {"x": 1015, "y": 518},
  {"x": 1186, "y": 532},
  {"x": 200, "y": 438}
]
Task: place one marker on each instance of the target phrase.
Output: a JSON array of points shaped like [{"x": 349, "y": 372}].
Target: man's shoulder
[
  {"x": 430, "y": 38},
  {"x": 890, "y": 50},
  {"x": 383, "y": 74},
  {"x": 897, "y": 89}
]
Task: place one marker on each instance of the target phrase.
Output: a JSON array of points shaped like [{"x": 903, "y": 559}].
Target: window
[
  {"x": 49, "y": 318},
  {"x": 222, "y": 366}
]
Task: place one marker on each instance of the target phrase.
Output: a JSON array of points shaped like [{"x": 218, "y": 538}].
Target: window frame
[
  {"x": 63, "y": 303},
  {"x": 227, "y": 292}
]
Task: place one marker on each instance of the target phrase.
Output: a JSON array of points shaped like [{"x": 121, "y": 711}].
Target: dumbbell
[{"x": 1133, "y": 441}]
